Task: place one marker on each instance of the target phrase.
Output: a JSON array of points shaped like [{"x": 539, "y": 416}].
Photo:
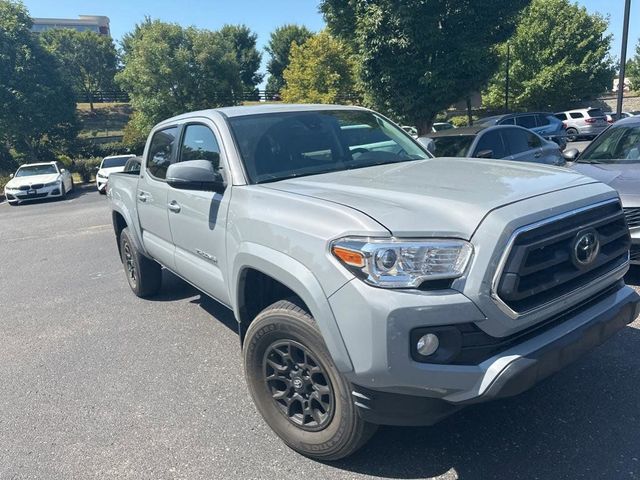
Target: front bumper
[
  {"x": 406, "y": 392},
  {"x": 19, "y": 196}
]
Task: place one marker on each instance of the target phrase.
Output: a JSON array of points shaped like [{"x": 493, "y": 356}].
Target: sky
[{"x": 260, "y": 15}]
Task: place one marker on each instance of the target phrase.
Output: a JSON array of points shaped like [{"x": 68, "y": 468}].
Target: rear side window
[
  {"x": 161, "y": 152},
  {"x": 517, "y": 140},
  {"x": 576, "y": 115},
  {"x": 526, "y": 121},
  {"x": 200, "y": 143},
  {"x": 507, "y": 121},
  {"x": 543, "y": 120},
  {"x": 492, "y": 141},
  {"x": 561, "y": 116},
  {"x": 595, "y": 112}
]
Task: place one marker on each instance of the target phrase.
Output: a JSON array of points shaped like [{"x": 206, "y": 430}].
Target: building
[{"x": 93, "y": 23}]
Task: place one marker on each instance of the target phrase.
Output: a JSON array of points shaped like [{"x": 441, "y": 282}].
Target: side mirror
[
  {"x": 11, "y": 176},
  {"x": 571, "y": 154},
  {"x": 485, "y": 154},
  {"x": 195, "y": 175},
  {"x": 62, "y": 170}
]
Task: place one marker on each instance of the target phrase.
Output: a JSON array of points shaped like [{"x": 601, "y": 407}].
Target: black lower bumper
[{"x": 387, "y": 408}]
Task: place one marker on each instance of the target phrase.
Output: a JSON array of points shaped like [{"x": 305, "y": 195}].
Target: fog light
[{"x": 428, "y": 344}]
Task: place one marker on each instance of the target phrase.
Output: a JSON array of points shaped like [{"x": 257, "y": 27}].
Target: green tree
[
  {"x": 89, "y": 60},
  {"x": 419, "y": 57},
  {"x": 633, "y": 69},
  {"x": 278, "y": 48},
  {"x": 169, "y": 70},
  {"x": 559, "y": 53},
  {"x": 247, "y": 55},
  {"x": 321, "y": 70},
  {"x": 37, "y": 108}
]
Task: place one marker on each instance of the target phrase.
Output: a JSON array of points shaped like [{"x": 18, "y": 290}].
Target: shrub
[
  {"x": 461, "y": 120},
  {"x": 86, "y": 168}
]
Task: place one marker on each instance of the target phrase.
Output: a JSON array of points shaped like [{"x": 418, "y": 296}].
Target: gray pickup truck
[{"x": 372, "y": 284}]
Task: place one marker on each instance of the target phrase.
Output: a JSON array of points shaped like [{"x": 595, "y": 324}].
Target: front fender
[{"x": 298, "y": 278}]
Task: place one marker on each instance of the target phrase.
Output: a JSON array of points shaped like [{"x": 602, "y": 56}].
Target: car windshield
[
  {"x": 276, "y": 146},
  {"x": 30, "y": 170},
  {"x": 452, "y": 146},
  {"x": 616, "y": 145},
  {"x": 114, "y": 162},
  {"x": 442, "y": 126}
]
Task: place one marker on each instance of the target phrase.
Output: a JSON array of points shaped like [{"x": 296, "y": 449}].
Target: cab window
[{"x": 161, "y": 152}]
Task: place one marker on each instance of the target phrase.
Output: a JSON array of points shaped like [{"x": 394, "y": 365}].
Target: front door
[
  {"x": 198, "y": 219},
  {"x": 151, "y": 197}
]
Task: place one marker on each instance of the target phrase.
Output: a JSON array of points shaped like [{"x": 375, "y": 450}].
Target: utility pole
[
  {"x": 506, "y": 88},
  {"x": 623, "y": 56}
]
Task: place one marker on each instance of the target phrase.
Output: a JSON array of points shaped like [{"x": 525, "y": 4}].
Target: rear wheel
[
  {"x": 143, "y": 274},
  {"x": 296, "y": 386},
  {"x": 572, "y": 134}
]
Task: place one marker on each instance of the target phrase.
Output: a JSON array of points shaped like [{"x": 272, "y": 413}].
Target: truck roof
[{"x": 240, "y": 111}]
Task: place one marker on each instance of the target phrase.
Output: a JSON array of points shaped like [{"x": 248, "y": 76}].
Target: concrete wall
[{"x": 609, "y": 103}]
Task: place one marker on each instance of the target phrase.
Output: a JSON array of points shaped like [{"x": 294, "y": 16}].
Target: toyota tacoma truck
[{"x": 372, "y": 284}]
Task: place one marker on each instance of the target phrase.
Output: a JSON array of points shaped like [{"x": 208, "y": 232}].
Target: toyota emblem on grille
[{"x": 586, "y": 247}]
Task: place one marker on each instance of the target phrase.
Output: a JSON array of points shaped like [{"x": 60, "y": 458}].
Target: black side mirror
[
  {"x": 195, "y": 175},
  {"x": 485, "y": 154},
  {"x": 571, "y": 154}
]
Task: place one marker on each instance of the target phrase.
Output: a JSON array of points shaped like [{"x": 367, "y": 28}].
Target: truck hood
[
  {"x": 439, "y": 197},
  {"x": 18, "y": 182}
]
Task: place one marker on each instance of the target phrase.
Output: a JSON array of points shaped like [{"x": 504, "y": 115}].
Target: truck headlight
[{"x": 393, "y": 263}]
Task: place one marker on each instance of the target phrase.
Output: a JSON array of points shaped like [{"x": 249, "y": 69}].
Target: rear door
[
  {"x": 198, "y": 219},
  {"x": 151, "y": 196}
]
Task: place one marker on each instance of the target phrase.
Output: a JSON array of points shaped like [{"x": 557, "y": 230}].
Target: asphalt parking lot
[{"x": 96, "y": 383}]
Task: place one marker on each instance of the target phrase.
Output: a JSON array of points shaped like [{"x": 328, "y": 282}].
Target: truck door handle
[
  {"x": 142, "y": 196},
  {"x": 174, "y": 206}
]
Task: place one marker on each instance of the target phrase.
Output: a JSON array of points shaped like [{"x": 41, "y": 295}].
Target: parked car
[
  {"x": 543, "y": 123},
  {"x": 614, "y": 158},
  {"x": 108, "y": 166},
  {"x": 371, "y": 283},
  {"x": 502, "y": 142},
  {"x": 613, "y": 117},
  {"x": 583, "y": 123},
  {"x": 436, "y": 127},
  {"x": 37, "y": 181}
]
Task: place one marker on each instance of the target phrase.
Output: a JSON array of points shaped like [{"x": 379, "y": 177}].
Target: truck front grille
[
  {"x": 633, "y": 217},
  {"x": 545, "y": 261}
]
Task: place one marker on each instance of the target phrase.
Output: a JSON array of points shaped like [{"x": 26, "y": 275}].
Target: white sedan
[
  {"x": 109, "y": 165},
  {"x": 35, "y": 181}
]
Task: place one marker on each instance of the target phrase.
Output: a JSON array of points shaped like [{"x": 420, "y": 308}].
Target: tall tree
[
  {"x": 278, "y": 48},
  {"x": 89, "y": 60},
  {"x": 419, "y": 57},
  {"x": 169, "y": 70},
  {"x": 321, "y": 70},
  {"x": 37, "y": 108},
  {"x": 559, "y": 53},
  {"x": 243, "y": 41},
  {"x": 633, "y": 69}
]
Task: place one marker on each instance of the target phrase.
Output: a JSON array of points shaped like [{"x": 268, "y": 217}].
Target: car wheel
[
  {"x": 296, "y": 386},
  {"x": 143, "y": 274},
  {"x": 572, "y": 134},
  {"x": 63, "y": 191}
]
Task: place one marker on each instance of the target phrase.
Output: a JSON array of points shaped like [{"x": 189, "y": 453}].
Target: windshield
[
  {"x": 442, "y": 126},
  {"x": 114, "y": 162},
  {"x": 27, "y": 171},
  {"x": 616, "y": 145},
  {"x": 276, "y": 146},
  {"x": 453, "y": 146}
]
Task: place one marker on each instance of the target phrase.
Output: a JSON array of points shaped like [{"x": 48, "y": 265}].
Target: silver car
[
  {"x": 583, "y": 122},
  {"x": 614, "y": 158}
]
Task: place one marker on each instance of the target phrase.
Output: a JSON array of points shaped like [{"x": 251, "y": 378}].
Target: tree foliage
[
  {"x": 89, "y": 60},
  {"x": 419, "y": 57},
  {"x": 321, "y": 70},
  {"x": 633, "y": 69},
  {"x": 559, "y": 53},
  {"x": 170, "y": 70},
  {"x": 247, "y": 55},
  {"x": 278, "y": 48},
  {"x": 37, "y": 108}
]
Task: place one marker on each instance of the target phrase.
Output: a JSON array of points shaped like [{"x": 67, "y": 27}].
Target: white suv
[{"x": 584, "y": 122}]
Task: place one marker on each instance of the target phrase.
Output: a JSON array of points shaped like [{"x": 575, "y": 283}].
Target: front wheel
[{"x": 297, "y": 388}]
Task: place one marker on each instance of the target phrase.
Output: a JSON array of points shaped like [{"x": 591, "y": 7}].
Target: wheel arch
[{"x": 288, "y": 278}]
